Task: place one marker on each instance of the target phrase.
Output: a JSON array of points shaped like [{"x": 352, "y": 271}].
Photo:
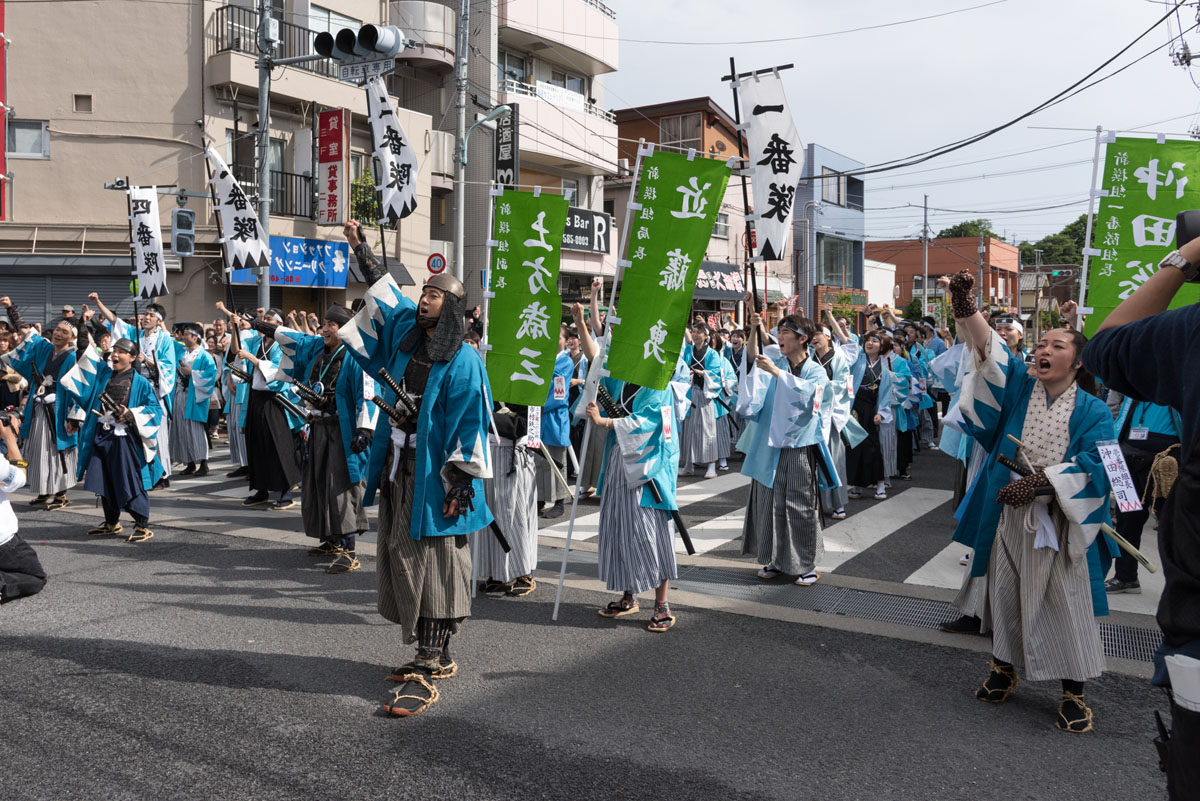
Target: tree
[
  {"x": 969, "y": 228},
  {"x": 1065, "y": 247},
  {"x": 913, "y": 310}
]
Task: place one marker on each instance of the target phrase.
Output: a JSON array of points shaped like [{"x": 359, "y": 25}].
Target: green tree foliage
[
  {"x": 969, "y": 228},
  {"x": 1065, "y": 247},
  {"x": 913, "y": 310}
]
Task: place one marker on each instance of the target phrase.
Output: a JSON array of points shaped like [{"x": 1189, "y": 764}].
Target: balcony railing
[
  {"x": 237, "y": 31},
  {"x": 603, "y": 9},
  {"x": 558, "y": 96},
  {"x": 291, "y": 193}
]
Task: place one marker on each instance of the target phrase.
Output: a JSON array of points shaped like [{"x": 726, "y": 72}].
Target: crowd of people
[{"x": 389, "y": 403}]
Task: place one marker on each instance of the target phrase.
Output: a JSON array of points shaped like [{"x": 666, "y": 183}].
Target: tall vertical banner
[
  {"x": 508, "y": 149},
  {"x": 526, "y": 309},
  {"x": 246, "y": 245},
  {"x": 395, "y": 159},
  {"x": 673, "y": 217},
  {"x": 332, "y": 147},
  {"x": 776, "y": 160},
  {"x": 145, "y": 237},
  {"x": 1146, "y": 184}
]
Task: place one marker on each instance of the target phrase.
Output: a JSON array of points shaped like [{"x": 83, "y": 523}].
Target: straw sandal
[
  {"x": 626, "y": 606},
  {"x": 521, "y": 586},
  {"x": 140, "y": 534},
  {"x": 106, "y": 530},
  {"x": 661, "y": 621},
  {"x": 999, "y": 685},
  {"x": 447, "y": 669},
  {"x": 1080, "y": 719},
  {"x": 344, "y": 562},
  {"x": 406, "y": 703}
]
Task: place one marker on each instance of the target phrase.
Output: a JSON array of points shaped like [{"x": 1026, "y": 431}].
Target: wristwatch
[{"x": 1191, "y": 272}]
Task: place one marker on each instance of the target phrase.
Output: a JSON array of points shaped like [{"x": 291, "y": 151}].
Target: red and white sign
[
  {"x": 436, "y": 263},
  {"x": 332, "y": 132}
]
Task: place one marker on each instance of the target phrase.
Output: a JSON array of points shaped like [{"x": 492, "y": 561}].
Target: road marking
[{"x": 857, "y": 533}]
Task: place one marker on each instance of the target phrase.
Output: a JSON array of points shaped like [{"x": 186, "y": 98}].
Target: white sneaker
[{"x": 711, "y": 472}]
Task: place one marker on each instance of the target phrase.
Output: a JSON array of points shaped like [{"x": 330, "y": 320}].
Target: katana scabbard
[
  {"x": 388, "y": 409},
  {"x": 402, "y": 397}
]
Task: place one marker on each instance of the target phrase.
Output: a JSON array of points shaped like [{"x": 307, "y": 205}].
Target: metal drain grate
[{"x": 1130, "y": 642}]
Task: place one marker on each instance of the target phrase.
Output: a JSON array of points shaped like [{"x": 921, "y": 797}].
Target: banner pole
[
  {"x": 493, "y": 192},
  {"x": 1087, "y": 234},
  {"x": 596, "y": 369},
  {"x": 748, "y": 250}
]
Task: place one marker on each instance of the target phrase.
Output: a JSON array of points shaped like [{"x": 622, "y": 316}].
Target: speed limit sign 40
[{"x": 436, "y": 263}]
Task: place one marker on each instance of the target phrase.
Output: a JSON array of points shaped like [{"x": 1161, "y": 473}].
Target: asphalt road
[{"x": 199, "y": 665}]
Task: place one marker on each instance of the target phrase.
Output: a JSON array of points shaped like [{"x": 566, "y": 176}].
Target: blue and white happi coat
[
  {"x": 269, "y": 368},
  {"x": 32, "y": 354},
  {"x": 649, "y": 444},
  {"x": 720, "y": 380},
  {"x": 202, "y": 384},
  {"x": 841, "y": 395},
  {"x": 353, "y": 392},
  {"x": 556, "y": 415},
  {"x": 453, "y": 421},
  {"x": 84, "y": 383},
  {"x": 993, "y": 402},
  {"x": 158, "y": 349},
  {"x": 883, "y": 396}
]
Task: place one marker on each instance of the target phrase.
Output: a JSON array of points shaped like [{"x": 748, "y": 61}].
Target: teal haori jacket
[
  {"x": 454, "y": 416},
  {"x": 649, "y": 439},
  {"x": 995, "y": 395}
]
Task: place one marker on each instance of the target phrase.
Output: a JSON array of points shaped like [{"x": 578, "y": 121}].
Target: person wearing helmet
[{"x": 428, "y": 468}]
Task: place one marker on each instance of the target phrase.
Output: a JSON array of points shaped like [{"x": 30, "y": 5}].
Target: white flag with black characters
[
  {"x": 246, "y": 244},
  {"x": 776, "y": 159},
  {"x": 145, "y": 236},
  {"x": 395, "y": 159}
]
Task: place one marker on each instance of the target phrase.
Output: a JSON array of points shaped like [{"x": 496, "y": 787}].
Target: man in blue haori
[
  {"x": 710, "y": 381},
  {"x": 429, "y": 469},
  {"x": 197, "y": 380}
]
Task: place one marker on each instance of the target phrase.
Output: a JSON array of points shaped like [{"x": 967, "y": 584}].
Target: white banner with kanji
[
  {"x": 395, "y": 159},
  {"x": 246, "y": 244},
  {"x": 145, "y": 236},
  {"x": 775, "y": 158}
]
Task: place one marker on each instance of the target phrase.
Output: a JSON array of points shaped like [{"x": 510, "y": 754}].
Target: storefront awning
[{"x": 719, "y": 281}]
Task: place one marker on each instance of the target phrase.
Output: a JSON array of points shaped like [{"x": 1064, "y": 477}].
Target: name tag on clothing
[
  {"x": 1118, "y": 476},
  {"x": 533, "y": 437},
  {"x": 668, "y": 417},
  {"x": 560, "y": 387},
  {"x": 1139, "y": 433}
]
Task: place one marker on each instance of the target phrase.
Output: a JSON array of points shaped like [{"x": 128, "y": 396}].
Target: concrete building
[
  {"x": 946, "y": 256},
  {"x": 879, "y": 282},
  {"x": 144, "y": 111},
  {"x": 830, "y": 228}
]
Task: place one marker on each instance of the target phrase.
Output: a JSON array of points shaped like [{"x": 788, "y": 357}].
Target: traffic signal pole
[
  {"x": 263, "y": 144},
  {"x": 460, "y": 137}
]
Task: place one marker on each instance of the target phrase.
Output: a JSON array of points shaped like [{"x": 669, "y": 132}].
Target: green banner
[
  {"x": 667, "y": 238},
  {"x": 526, "y": 311},
  {"x": 1148, "y": 184}
]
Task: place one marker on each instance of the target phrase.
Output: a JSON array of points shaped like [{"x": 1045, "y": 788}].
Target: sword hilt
[
  {"x": 402, "y": 397},
  {"x": 388, "y": 409}
]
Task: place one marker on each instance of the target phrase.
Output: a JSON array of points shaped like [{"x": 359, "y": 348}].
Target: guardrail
[
  {"x": 558, "y": 96},
  {"x": 236, "y": 29}
]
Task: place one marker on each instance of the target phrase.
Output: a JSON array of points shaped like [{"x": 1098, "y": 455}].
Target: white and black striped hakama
[
  {"x": 1038, "y": 604},
  {"x": 836, "y": 498},
  {"x": 510, "y": 496},
  {"x": 971, "y": 595},
  {"x": 237, "y": 436},
  {"x": 190, "y": 443},
  {"x": 50, "y": 470},
  {"x": 332, "y": 505},
  {"x": 636, "y": 544},
  {"x": 593, "y": 459},
  {"x": 699, "y": 444},
  {"x": 429, "y": 577},
  {"x": 889, "y": 446},
  {"x": 783, "y": 523}
]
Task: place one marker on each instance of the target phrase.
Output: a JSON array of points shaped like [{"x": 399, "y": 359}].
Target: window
[
  {"x": 721, "y": 229},
  {"x": 28, "y": 139},
  {"x": 323, "y": 20},
  {"x": 572, "y": 83},
  {"x": 833, "y": 187},
  {"x": 570, "y": 190},
  {"x": 512, "y": 67},
  {"x": 82, "y": 104},
  {"x": 357, "y": 165},
  {"x": 835, "y": 261},
  {"x": 682, "y": 132}
]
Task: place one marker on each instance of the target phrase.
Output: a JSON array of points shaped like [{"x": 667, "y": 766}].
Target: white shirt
[{"x": 12, "y": 478}]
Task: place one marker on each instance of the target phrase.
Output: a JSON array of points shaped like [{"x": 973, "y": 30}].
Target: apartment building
[
  {"x": 1000, "y": 264},
  {"x": 186, "y": 75},
  {"x": 830, "y": 227}
]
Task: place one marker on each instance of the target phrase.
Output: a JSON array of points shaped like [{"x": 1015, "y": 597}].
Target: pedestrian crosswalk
[{"x": 905, "y": 538}]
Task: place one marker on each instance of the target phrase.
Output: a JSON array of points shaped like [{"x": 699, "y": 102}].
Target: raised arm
[
  {"x": 586, "y": 343},
  {"x": 105, "y": 312},
  {"x": 971, "y": 325},
  {"x": 594, "y": 308},
  {"x": 838, "y": 331}
]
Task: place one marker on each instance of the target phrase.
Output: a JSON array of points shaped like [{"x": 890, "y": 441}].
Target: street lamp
[{"x": 460, "y": 188}]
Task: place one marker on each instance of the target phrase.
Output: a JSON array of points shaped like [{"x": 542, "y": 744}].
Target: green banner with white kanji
[
  {"x": 668, "y": 234},
  {"x": 525, "y": 313},
  {"x": 1148, "y": 184}
]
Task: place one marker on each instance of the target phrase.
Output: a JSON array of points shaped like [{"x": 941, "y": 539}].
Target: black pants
[
  {"x": 1130, "y": 524},
  {"x": 1183, "y": 769},
  {"x": 21, "y": 573}
]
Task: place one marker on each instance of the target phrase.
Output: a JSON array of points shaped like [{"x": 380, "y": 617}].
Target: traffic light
[
  {"x": 369, "y": 43},
  {"x": 1055, "y": 272},
  {"x": 183, "y": 232}
]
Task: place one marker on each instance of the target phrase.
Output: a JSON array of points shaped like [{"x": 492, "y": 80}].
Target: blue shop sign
[{"x": 303, "y": 262}]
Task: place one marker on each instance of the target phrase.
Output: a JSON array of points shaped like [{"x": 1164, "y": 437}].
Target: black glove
[
  {"x": 362, "y": 440},
  {"x": 459, "y": 496},
  {"x": 81, "y": 341},
  {"x": 263, "y": 327},
  {"x": 14, "y": 316}
]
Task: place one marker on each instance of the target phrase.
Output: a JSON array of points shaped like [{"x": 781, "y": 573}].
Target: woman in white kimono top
[{"x": 1034, "y": 528}]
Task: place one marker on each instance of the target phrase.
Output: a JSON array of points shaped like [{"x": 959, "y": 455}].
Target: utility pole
[
  {"x": 266, "y": 43},
  {"x": 981, "y": 252},
  {"x": 925, "y": 261},
  {"x": 460, "y": 135}
]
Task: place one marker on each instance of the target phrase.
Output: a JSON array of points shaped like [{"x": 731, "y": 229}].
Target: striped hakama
[
  {"x": 698, "y": 444},
  {"x": 164, "y": 437},
  {"x": 50, "y": 471},
  {"x": 636, "y": 544},
  {"x": 429, "y": 577},
  {"x": 332, "y": 505},
  {"x": 190, "y": 443},
  {"x": 887, "y": 444},
  {"x": 836, "y": 498},
  {"x": 510, "y": 496},
  {"x": 783, "y": 525},
  {"x": 549, "y": 489},
  {"x": 593, "y": 459},
  {"x": 971, "y": 595},
  {"x": 237, "y": 436}
]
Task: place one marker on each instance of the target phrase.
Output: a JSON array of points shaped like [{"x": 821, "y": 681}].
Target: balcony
[
  {"x": 433, "y": 26},
  {"x": 291, "y": 193},
  {"x": 558, "y": 96},
  {"x": 235, "y": 29},
  {"x": 579, "y": 34},
  {"x": 561, "y": 130}
]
